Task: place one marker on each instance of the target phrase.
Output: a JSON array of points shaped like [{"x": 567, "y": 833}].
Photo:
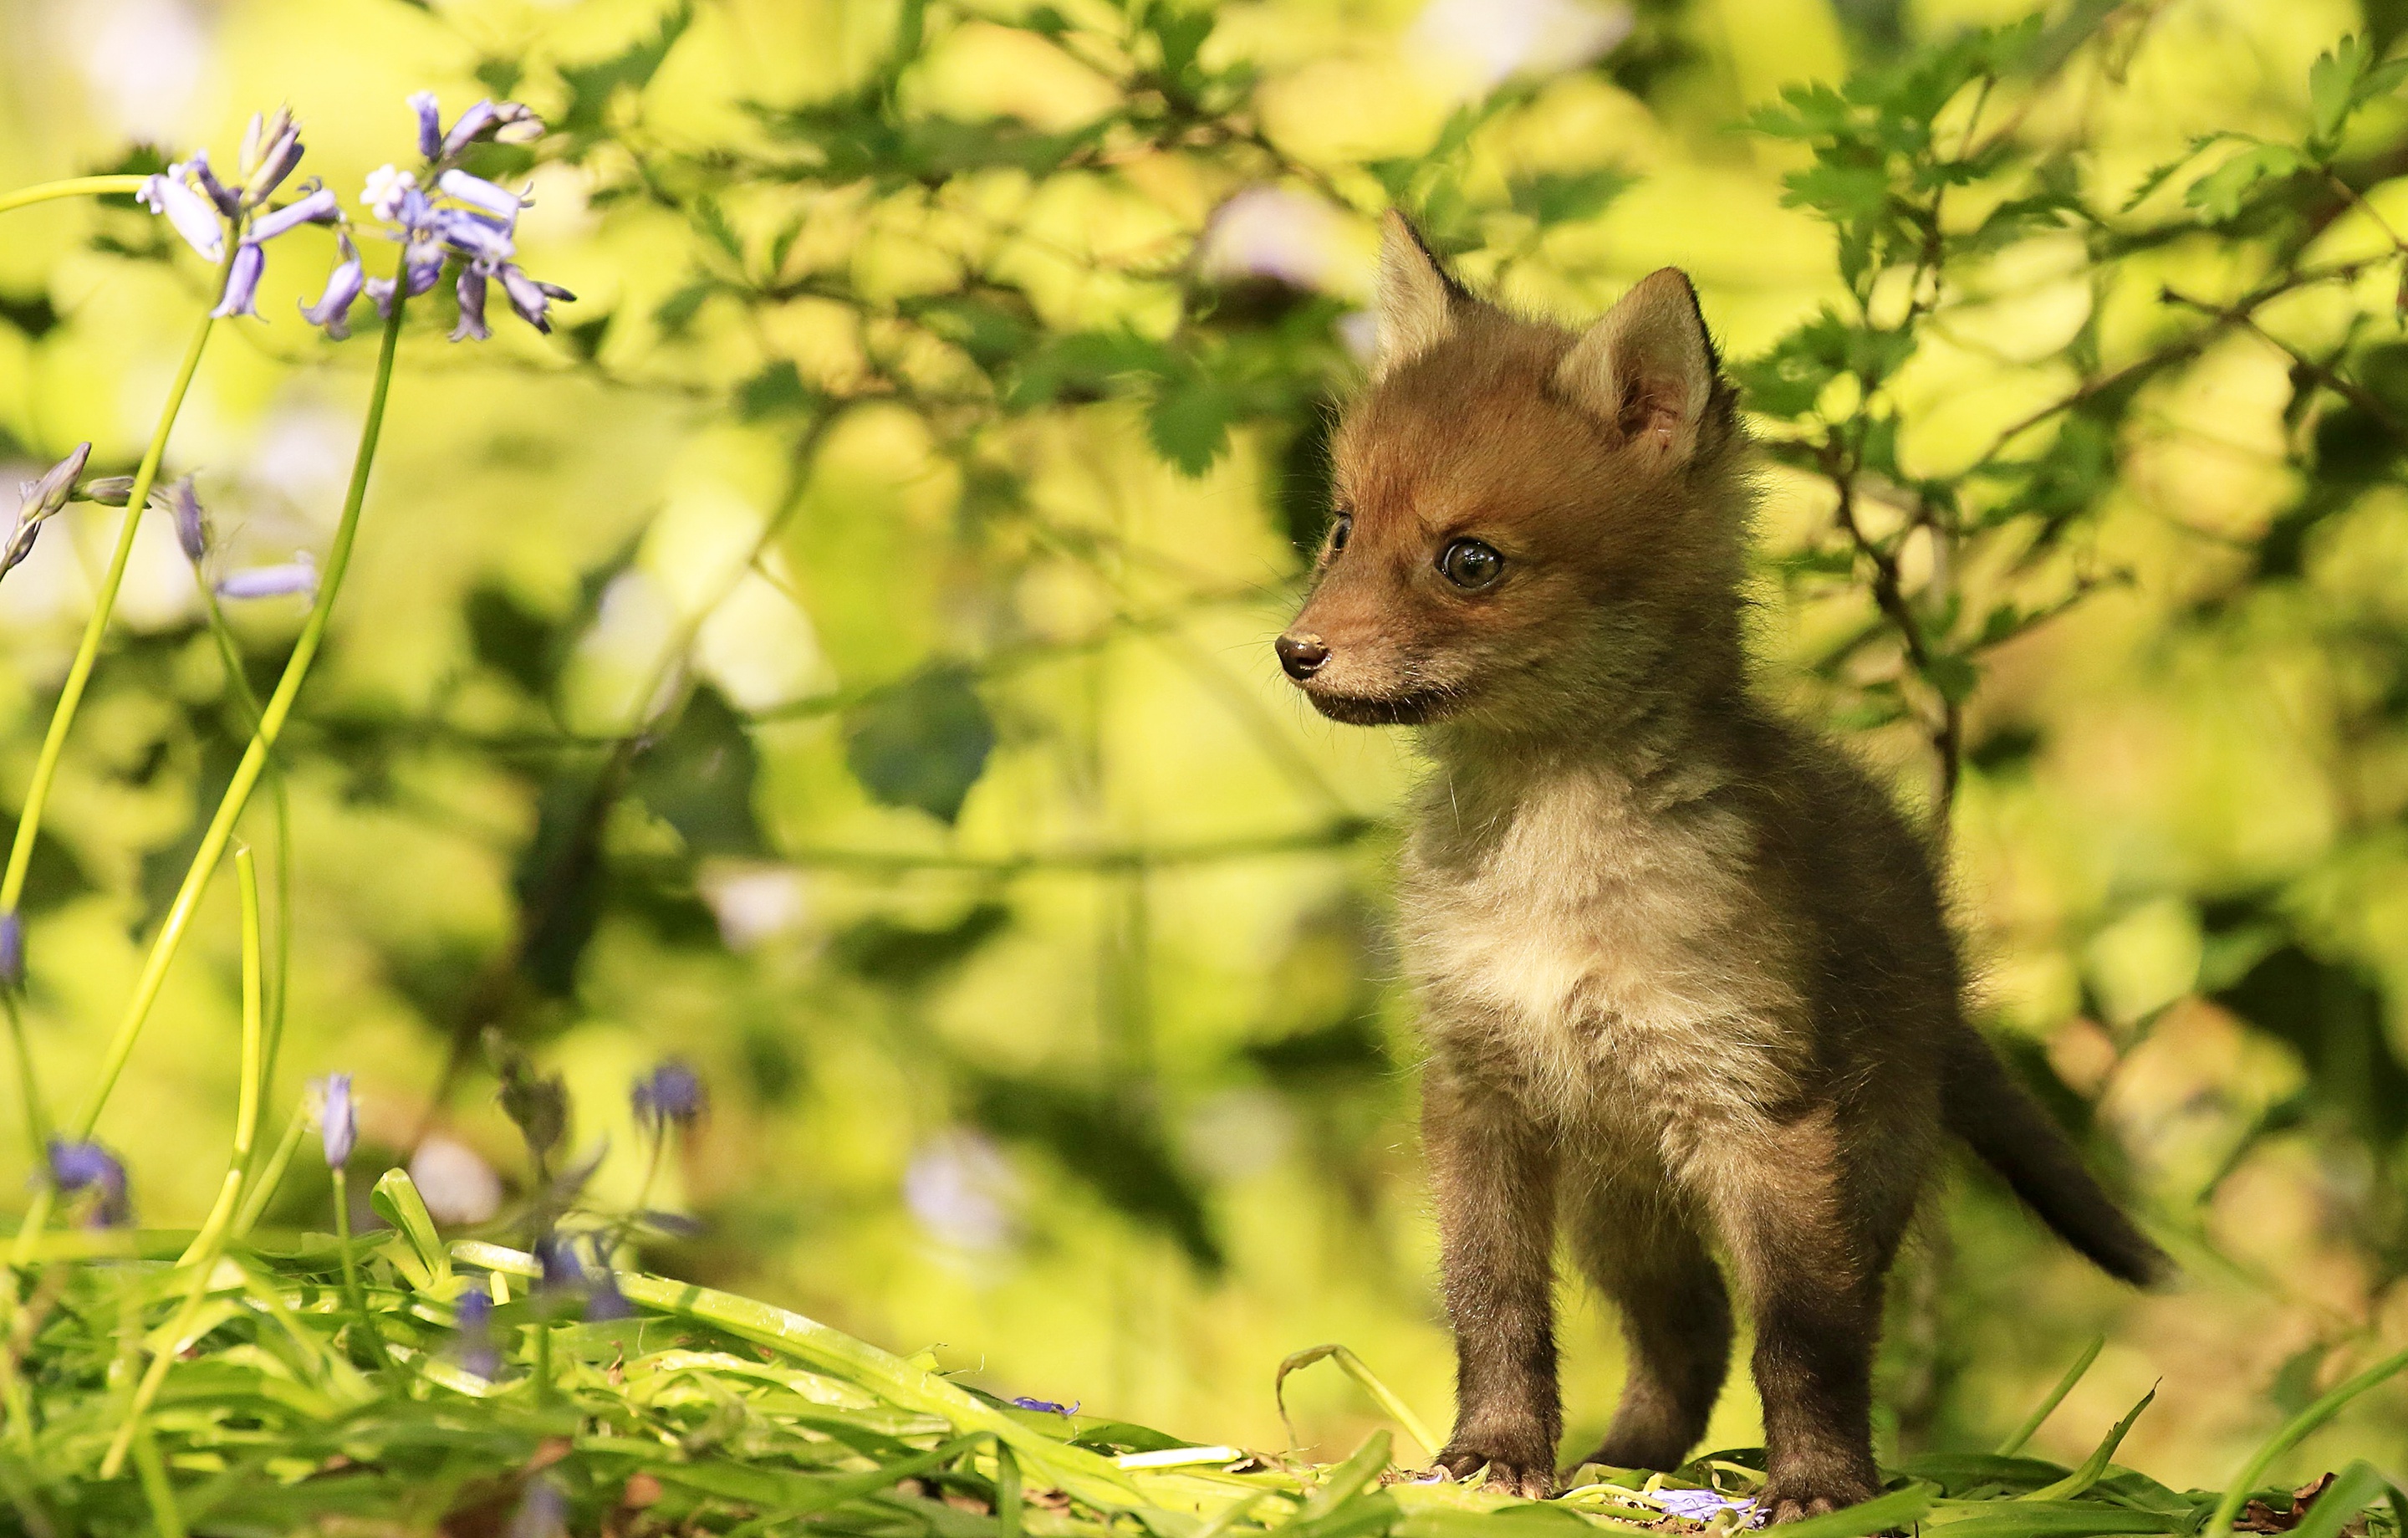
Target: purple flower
[
  {"x": 475, "y": 1320},
  {"x": 472, "y": 235},
  {"x": 109, "y": 491},
  {"x": 334, "y": 306},
  {"x": 1046, "y": 1406},
  {"x": 194, "y": 217},
  {"x": 477, "y": 192},
  {"x": 669, "y": 1093},
  {"x": 41, "y": 498},
  {"x": 543, "y": 1511},
  {"x": 229, "y": 204},
  {"x": 562, "y": 1272},
  {"x": 297, "y": 576},
  {"x": 604, "y": 1301},
  {"x": 472, "y": 125},
  {"x": 531, "y": 298},
  {"x": 12, "y": 950},
  {"x": 87, "y": 1166},
  {"x": 339, "y": 1126},
  {"x": 271, "y": 147},
  {"x": 430, "y": 123},
  {"x": 471, "y": 288},
  {"x": 182, "y": 504},
  {"x": 317, "y": 207},
  {"x": 242, "y": 296},
  {"x": 38, "y": 500},
  {"x": 1696, "y": 1505}
]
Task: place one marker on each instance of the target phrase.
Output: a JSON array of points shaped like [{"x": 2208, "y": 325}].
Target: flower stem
[
  {"x": 271, "y": 1174},
  {"x": 254, "y": 757},
  {"x": 81, "y": 186},
  {"x": 247, "y": 700},
  {"x": 29, "y": 822},
  {"x": 356, "y": 1294},
  {"x": 202, "y": 1256}
]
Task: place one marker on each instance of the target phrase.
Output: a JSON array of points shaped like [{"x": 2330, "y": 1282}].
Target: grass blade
[
  {"x": 1897, "y": 1509},
  {"x": 1351, "y": 1365},
  {"x": 2092, "y": 1467},
  {"x": 2299, "y": 1428},
  {"x": 2014, "y": 1443},
  {"x": 2360, "y": 1485}
]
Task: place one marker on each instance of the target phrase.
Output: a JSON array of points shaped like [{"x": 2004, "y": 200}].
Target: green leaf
[
  {"x": 700, "y": 778},
  {"x": 2053, "y": 1519},
  {"x": 2332, "y": 86},
  {"x": 1555, "y": 197},
  {"x": 2096, "y": 1464},
  {"x": 1898, "y": 1509},
  {"x": 1351, "y": 1365},
  {"x": 1188, "y": 422},
  {"x": 2064, "y": 1384},
  {"x": 591, "y": 87},
  {"x": 922, "y": 744},
  {"x": 2294, "y": 1432},
  {"x": 396, "y": 1200},
  {"x": 2219, "y": 195}
]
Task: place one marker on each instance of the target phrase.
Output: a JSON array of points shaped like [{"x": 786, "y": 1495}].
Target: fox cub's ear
[
  {"x": 1645, "y": 368},
  {"x": 1417, "y": 301}
]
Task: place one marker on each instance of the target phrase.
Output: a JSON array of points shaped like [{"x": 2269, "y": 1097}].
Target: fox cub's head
[{"x": 1534, "y": 528}]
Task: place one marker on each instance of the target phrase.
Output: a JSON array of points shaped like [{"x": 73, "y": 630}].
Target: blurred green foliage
[{"x": 838, "y": 655}]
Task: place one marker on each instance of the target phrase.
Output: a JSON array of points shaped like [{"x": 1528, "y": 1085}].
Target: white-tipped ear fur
[
  {"x": 1415, "y": 302},
  {"x": 1645, "y": 368}
]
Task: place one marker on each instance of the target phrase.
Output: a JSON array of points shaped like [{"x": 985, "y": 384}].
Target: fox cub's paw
[
  {"x": 1524, "y": 1466},
  {"x": 1795, "y": 1498}
]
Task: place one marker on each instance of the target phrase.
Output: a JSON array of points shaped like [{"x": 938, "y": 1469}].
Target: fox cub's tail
[{"x": 1987, "y": 1108}]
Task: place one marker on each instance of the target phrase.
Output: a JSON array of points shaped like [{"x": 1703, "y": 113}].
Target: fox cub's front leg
[{"x": 1494, "y": 1174}]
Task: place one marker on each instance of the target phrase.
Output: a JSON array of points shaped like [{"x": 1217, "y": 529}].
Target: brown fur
[{"x": 1684, "y": 973}]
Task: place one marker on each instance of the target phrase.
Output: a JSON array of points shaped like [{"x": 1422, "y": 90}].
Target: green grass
[{"x": 293, "y": 1404}]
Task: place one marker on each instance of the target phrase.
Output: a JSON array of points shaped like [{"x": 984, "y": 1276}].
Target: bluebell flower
[
  {"x": 475, "y": 1321},
  {"x": 271, "y": 147},
  {"x": 12, "y": 950},
  {"x": 441, "y": 214},
  {"x": 183, "y": 506},
  {"x": 604, "y": 1301},
  {"x": 563, "y": 1271},
  {"x": 229, "y": 202},
  {"x": 333, "y": 309},
  {"x": 543, "y": 1511},
  {"x": 1698, "y": 1506},
  {"x": 531, "y": 298},
  {"x": 430, "y": 123},
  {"x": 670, "y": 1092},
  {"x": 296, "y": 577},
  {"x": 338, "y": 1124},
  {"x": 194, "y": 217},
  {"x": 471, "y": 326},
  {"x": 78, "y": 1168},
  {"x": 242, "y": 295},
  {"x": 318, "y": 207},
  {"x": 38, "y": 500},
  {"x": 1047, "y": 1406}
]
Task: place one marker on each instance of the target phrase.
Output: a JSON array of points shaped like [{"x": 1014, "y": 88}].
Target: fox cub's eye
[
  {"x": 1470, "y": 565},
  {"x": 1339, "y": 531}
]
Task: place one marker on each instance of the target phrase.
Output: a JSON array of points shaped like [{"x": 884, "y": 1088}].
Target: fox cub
[{"x": 1685, "y": 978}]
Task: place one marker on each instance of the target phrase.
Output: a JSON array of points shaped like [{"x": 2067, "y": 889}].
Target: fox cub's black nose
[{"x": 1301, "y": 655}]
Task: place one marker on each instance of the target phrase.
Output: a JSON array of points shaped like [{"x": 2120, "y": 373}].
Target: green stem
[
  {"x": 202, "y": 1256},
  {"x": 254, "y": 758},
  {"x": 82, "y": 186},
  {"x": 37, "y": 1118},
  {"x": 29, "y": 822},
  {"x": 2294, "y": 1432},
  {"x": 352, "y": 1289},
  {"x": 37, "y": 792},
  {"x": 542, "y": 1328},
  {"x": 247, "y": 700},
  {"x": 271, "y": 1174},
  {"x": 246, "y": 1120}
]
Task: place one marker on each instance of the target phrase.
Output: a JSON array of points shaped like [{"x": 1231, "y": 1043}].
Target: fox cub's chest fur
[{"x": 1597, "y": 948}]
